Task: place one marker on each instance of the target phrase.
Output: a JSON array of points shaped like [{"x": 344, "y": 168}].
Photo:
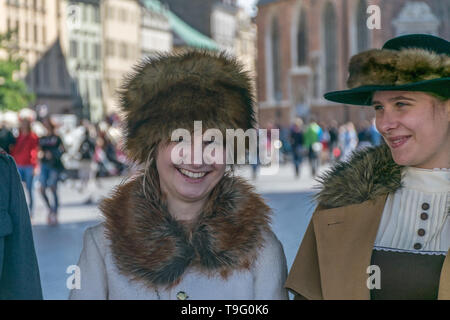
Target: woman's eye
[{"x": 378, "y": 107}]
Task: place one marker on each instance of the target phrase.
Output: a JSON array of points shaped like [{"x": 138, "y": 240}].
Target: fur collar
[
  {"x": 369, "y": 173},
  {"x": 148, "y": 245}
]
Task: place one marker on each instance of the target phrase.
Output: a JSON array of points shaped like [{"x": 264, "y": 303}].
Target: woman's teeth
[
  {"x": 398, "y": 142},
  {"x": 195, "y": 175}
]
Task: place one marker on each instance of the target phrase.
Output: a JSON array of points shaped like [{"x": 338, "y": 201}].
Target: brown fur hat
[
  {"x": 394, "y": 67},
  {"x": 171, "y": 91}
]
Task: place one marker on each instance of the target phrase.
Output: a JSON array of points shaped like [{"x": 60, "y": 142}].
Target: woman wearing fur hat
[
  {"x": 180, "y": 230},
  {"x": 382, "y": 226}
]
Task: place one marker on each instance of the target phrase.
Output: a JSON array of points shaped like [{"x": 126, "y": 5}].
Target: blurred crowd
[
  {"x": 320, "y": 143},
  {"x": 52, "y": 150},
  {"x": 49, "y": 151}
]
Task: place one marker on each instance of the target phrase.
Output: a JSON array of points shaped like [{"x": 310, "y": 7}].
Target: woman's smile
[
  {"x": 398, "y": 141},
  {"x": 192, "y": 176}
]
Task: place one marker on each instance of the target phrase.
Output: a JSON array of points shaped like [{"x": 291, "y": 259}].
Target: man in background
[
  {"x": 19, "y": 272},
  {"x": 7, "y": 139}
]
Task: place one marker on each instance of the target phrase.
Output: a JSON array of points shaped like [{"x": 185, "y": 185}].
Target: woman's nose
[{"x": 386, "y": 122}]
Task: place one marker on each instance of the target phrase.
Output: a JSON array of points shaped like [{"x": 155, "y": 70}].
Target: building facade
[
  {"x": 40, "y": 42},
  {"x": 156, "y": 34},
  {"x": 122, "y": 46},
  {"x": 304, "y": 47},
  {"x": 244, "y": 42},
  {"x": 244, "y": 45},
  {"x": 84, "y": 59},
  {"x": 183, "y": 35},
  {"x": 216, "y": 19},
  {"x": 225, "y": 23}
]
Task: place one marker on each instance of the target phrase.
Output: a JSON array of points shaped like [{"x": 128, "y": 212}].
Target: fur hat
[
  {"x": 415, "y": 62},
  {"x": 171, "y": 91}
]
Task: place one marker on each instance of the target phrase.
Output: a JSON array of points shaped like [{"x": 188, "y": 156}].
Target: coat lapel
[
  {"x": 340, "y": 239},
  {"x": 345, "y": 237}
]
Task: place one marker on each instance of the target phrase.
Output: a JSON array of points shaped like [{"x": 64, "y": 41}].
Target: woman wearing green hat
[{"x": 382, "y": 226}]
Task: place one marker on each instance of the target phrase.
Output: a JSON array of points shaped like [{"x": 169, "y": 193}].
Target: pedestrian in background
[
  {"x": 105, "y": 167},
  {"x": 25, "y": 153},
  {"x": 86, "y": 153},
  {"x": 285, "y": 140},
  {"x": 375, "y": 136},
  {"x": 312, "y": 145},
  {"x": 348, "y": 140},
  {"x": 297, "y": 144},
  {"x": 364, "y": 135},
  {"x": 325, "y": 141},
  {"x": 334, "y": 150},
  {"x": 19, "y": 271},
  {"x": 7, "y": 139},
  {"x": 52, "y": 148},
  {"x": 181, "y": 230}
]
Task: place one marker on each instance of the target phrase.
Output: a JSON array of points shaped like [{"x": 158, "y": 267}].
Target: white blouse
[{"x": 416, "y": 218}]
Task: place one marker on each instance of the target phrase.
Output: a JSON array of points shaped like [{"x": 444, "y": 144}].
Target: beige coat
[
  {"x": 141, "y": 252},
  {"x": 337, "y": 247},
  {"x": 336, "y": 251},
  {"x": 102, "y": 280}
]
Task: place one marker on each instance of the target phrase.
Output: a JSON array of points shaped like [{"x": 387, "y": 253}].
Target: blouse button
[
  {"x": 417, "y": 246},
  {"x": 425, "y": 206},
  {"x": 424, "y": 216},
  {"x": 421, "y": 232}
]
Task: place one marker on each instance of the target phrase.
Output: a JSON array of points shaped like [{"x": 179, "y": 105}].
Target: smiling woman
[
  {"x": 415, "y": 125},
  {"x": 183, "y": 230},
  {"x": 388, "y": 207},
  {"x": 186, "y": 186}
]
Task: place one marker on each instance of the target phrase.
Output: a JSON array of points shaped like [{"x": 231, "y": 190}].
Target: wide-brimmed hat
[
  {"x": 415, "y": 62},
  {"x": 171, "y": 91}
]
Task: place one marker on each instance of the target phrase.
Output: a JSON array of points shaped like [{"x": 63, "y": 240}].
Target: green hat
[{"x": 415, "y": 62}]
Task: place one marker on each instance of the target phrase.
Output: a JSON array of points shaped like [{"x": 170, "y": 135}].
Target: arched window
[
  {"x": 302, "y": 40},
  {"x": 276, "y": 63},
  {"x": 362, "y": 32},
  {"x": 330, "y": 47}
]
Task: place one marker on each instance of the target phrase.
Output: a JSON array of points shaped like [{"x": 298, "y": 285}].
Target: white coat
[{"x": 100, "y": 278}]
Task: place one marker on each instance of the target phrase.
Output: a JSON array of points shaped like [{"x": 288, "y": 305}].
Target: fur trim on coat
[
  {"x": 149, "y": 245},
  {"x": 393, "y": 67},
  {"x": 369, "y": 173},
  {"x": 170, "y": 92}
]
